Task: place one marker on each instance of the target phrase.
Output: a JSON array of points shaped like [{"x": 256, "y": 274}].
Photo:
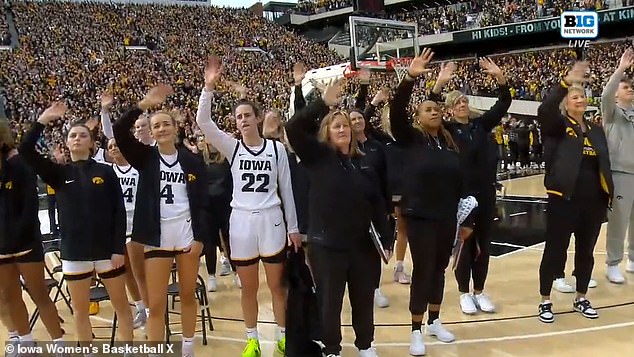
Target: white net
[{"x": 401, "y": 65}]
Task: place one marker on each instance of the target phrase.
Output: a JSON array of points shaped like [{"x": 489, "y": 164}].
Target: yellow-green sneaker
[
  {"x": 252, "y": 349},
  {"x": 281, "y": 345}
]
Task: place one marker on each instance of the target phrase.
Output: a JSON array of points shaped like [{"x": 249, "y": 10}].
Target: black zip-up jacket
[
  {"x": 478, "y": 151},
  {"x": 147, "y": 212},
  {"x": 89, "y": 201},
  {"x": 19, "y": 222},
  {"x": 344, "y": 195},
  {"x": 563, "y": 148},
  {"x": 433, "y": 177}
]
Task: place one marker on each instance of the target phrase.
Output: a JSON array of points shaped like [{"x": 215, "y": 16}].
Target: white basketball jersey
[
  {"x": 129, "y": 179},
  {"x": 100, "y": 156},
  {"x": 254, "y": 171},
  {"x": 173, "y": 192}
]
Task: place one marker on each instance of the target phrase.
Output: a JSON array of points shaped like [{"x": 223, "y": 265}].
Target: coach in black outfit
[
  {"x": 344, "y": 198},
  {"x": 579, "y": 185},
  {"x": 478, "y": 154}
]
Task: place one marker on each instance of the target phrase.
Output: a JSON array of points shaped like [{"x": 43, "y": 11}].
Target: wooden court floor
[{"x": 513, "y": 331}]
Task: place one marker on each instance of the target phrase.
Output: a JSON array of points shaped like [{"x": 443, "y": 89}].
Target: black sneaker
[
  {"x": 585, "y": 308},
  {"x": 546, "y": 312}
]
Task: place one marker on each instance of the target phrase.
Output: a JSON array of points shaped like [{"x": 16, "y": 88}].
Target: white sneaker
[
  {"x": 467, "y": 304},
  {"x": 225, "y": 267},
  {"x": 140, "y": 319},
  {"x": 331, "y": 355},
  {"x": 614, "y": 274},
  {"x": 212, "y": 285},
  {"x": 592, "y": 284},
  {"x": 438, "y": 330},
  {"x": 484, "y": 303},
  {"x": 417, "y": 344},
  {"x": 562, "y": 286},
  {"x": 236, "y": 280},
  {"x": 370, "y": 352},
  {"x": 401, "y": 277},
  {"x": 630, "y": 266},
  {"x": 380, "y": 300}
]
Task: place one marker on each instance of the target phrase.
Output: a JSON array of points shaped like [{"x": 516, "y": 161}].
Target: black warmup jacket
[
  {"x": 344, "y": 195},
  {"x": 433, "y": 176},
  {"x": 564, "y": 146},
  {"x": 147, "y": 213},
  {"x": 19, "y": 222},
  {"x": 478, "y": 151},
  {"x": 89, "y": 202}
]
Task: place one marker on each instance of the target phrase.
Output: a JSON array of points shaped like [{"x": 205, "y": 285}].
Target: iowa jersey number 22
[{"x": 261, "y": 180}]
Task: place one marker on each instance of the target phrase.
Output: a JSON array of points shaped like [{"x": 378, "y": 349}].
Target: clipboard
[{"x": 376, "y": 239}]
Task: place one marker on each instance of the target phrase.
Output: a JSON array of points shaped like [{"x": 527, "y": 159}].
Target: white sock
[
  {"x": 13, "y": 335},
  {"x": 188, "y": 340},
  {"x": 27, "y": 338},
  {"x": 147, "y": 312},
  {"x": 546, "y": 302},
  {"x": 281, "y": 332},
  {"x": 140, "y": 306},
  {"x": 252, "y": 333}
]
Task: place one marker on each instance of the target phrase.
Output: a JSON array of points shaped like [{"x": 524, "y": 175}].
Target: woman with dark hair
[
  {"x": 344, "y": 199},
  {"x": 170, "y": 220},
  {"x": 21, "y": 253},
  {"x": 579, "y": 185},
  {"x": 219, "y": 195},
  {"x": 432, "y": 187},
  {"x": 92, "y": 219},
  {"x": 471, "y": 130}
]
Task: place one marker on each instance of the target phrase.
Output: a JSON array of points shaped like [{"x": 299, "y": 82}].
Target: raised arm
[
  {"x": 492, "y": 117},
  {"x": 362, "y": 95},
  {"x": 402, "y": 129},
  {"x": 51, "y": 173},
  {"x": 300, "y": 128},
  {"x": 548, "y": 114},
  {"x": 224, "y": 142},
  {"x": 106, "y": 123},
  {"x": 299, "y": 72},
  {"x": 608, "y": 100}
]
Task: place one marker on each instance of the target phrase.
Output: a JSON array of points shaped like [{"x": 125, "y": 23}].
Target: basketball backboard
[{"x": 375, "y": 42}]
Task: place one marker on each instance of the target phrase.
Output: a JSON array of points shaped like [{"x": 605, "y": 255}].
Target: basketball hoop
[{"x": 400, "y": 66}]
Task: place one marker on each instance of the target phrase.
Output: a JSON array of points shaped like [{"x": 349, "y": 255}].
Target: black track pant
[
  {"x": 584, "y": 219},
  {"x": 219, "y": 211},
  {"x": 474, "y": 259},
  {"x": 430, "y": 243},
  {"x": 332, "y": 269}
]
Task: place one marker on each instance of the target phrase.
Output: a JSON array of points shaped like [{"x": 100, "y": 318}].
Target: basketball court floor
[{"x": 513, "y": 285}]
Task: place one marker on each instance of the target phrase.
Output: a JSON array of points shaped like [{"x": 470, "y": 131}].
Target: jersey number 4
[
  {"x": 128, "y": 195},
  {"x": 251, "y": 179},
  {"x": 167, "y": 194}
]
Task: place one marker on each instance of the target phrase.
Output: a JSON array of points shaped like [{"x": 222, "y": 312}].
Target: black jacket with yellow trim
[{"x": 563, "y": 147}]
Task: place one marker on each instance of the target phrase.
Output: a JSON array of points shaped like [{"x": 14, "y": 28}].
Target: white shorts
[
  {"x": 176, "y": 236},
  {"x": 255, "y": 235},
  {"x": 79, "y": 270}
]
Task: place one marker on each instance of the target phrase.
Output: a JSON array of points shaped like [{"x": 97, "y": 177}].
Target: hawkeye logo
[
  {"x": 579, "y": 25},
  {"x": 97, "y": 180},
  {"x": 8, "y": 185},
  {"x": 191, "y": 178}
]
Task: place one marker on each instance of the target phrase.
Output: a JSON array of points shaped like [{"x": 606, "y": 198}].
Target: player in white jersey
[
  {"x": 257, "y": 227},
  {"x": 128, "y": 179},
  {"x": 169, "y": 216}
]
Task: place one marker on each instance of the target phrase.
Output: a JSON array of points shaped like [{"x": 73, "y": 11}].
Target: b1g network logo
[{"x": 579, "y": 27}]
